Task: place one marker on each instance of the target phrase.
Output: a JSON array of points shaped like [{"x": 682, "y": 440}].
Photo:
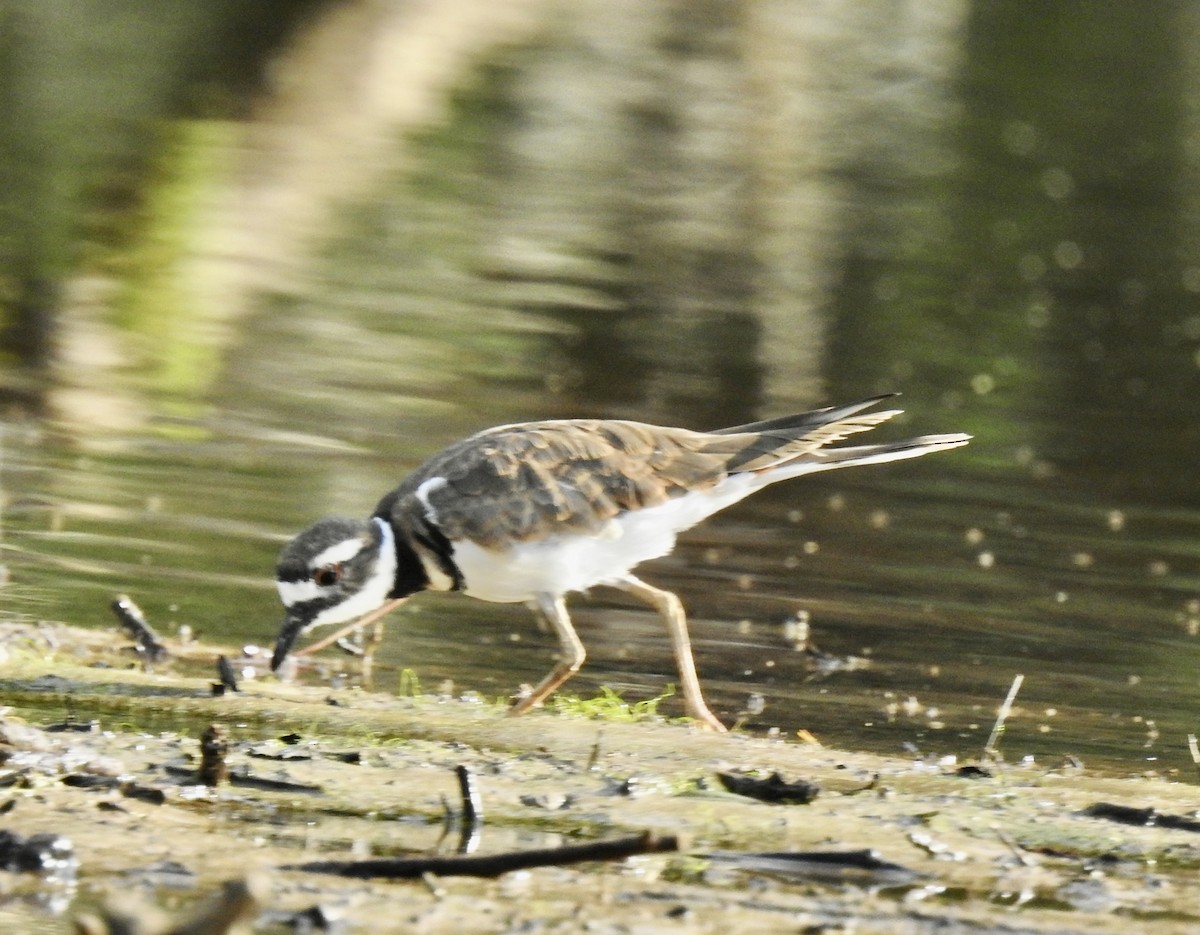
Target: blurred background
[{"x": 258, "y": 260}]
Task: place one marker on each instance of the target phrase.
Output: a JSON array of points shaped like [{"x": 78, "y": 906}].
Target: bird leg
[
  {"x": 375, "y": 617},
  {"x": 671, "y": 610},
  {"x": 573, "y": 654}
]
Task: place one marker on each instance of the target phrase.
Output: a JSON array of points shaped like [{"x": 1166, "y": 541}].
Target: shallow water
[{"x": 984, "y": 251}]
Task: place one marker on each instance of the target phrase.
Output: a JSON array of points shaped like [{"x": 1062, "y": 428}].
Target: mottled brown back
[{"x": 530, "y": 481}]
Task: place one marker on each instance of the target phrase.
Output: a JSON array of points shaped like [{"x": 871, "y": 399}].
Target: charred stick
[
  {"x": 226, "y": 674},
  {"x": 492, "y": 865},
  {"x": 132, "y": 619},
  {"x": 472, "y": 812},
  {"x": 213, "y": 747},
  {"x": 472, "y": 805},
  {"x": 772, "y": 789},
  {"x": 594, "y": 756}
]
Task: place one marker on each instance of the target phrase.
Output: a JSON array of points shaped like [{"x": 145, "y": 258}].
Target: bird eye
[{"x": 327, "y": 575}]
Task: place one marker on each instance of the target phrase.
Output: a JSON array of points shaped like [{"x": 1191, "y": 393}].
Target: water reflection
[{"x": 1013, "y": 248}]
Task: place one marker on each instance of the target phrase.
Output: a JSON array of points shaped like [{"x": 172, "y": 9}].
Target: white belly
[{"x": 575, "y": 563}]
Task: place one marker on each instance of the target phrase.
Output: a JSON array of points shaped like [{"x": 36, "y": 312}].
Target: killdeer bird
[{"x": 534, "y": 511}]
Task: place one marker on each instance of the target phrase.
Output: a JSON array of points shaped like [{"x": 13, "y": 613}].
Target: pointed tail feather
[
  {"x": 765, "y": 450},
  {"x": 829, "y": 458},
  {"x": 794, "y": 424},
  {"x": 789, "y": 446}
]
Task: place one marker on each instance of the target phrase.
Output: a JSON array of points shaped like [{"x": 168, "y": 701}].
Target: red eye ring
[{"x": 328, "y": 575}]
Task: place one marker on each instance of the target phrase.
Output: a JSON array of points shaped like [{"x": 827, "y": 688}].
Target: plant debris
[
  {"x": 492, "y": 865},
  {"x": 228, "y": 678},
  {"x": 147, "y": 642},
  {"x": 774, "y": 789},
  {"x": 47, "y": 854},
  {"x": 1141, "y": 817},
  {"x": 862, "y": 867},
  {"x": 213, "y": 747}
]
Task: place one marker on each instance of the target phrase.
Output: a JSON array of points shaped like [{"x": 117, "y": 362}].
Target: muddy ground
[{"x": 112, "y": 766}]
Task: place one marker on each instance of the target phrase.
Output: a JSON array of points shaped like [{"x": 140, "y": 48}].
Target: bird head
[{"x": 336, "y": 570}]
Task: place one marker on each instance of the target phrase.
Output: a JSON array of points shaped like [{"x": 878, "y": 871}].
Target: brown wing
[
  {"x": 532, "y": 480},
  {"x": 528, "y": 481}
]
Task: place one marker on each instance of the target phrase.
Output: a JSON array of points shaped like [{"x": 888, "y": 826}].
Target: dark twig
[
  {"x": 149, "y": 646},
  {"x": 492, "y": 865},
  {"x": 472, "y": 812},
  {"x": 226, "y": 674},
  {"x": 213, "y": 747},
  {"x": 472, "y": 807},
  {"x": 772, "y": 789},
  {"x": 245, "y": 780},
  {"x": 861, "y": 866},
  {"x": 1142, "y": 817},
  {"x": 594, "y": 756}
]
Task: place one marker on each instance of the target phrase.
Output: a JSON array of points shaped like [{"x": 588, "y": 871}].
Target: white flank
[{"x": 575, "y": 563}]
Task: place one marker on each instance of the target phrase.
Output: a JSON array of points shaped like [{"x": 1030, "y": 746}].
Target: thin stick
[
  {"x": 472, "y": 805},
  {"x": 132, "y": 619},
  {"x": 348, "y": 628},
  {"x": 1194, "y": 750},
  {"x": 228, "y": 677},
  {"x": 989, "y": 748},
  {"x": 594, "y": 757},
  {"x": 492, "y": 865},
  {"x": 213, "y": 747},
  {"x": 472, "y": 812}
]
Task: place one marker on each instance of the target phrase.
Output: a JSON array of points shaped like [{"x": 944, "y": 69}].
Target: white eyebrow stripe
[
  {"x": 374, "y": 591},
  {"x": 339, "y": 552}
]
